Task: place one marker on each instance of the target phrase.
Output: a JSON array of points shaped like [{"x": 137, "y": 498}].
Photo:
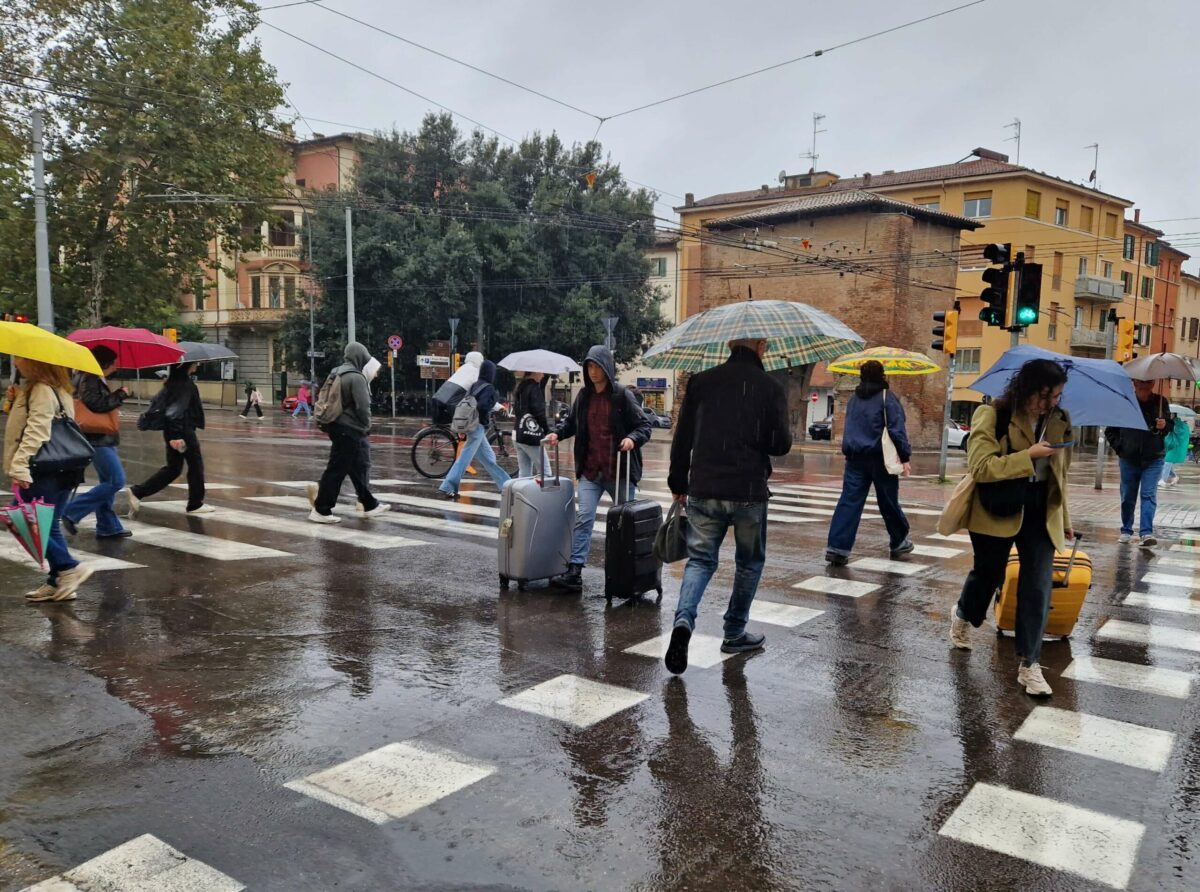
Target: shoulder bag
[
  {"x": 1003, "y": 498},
  {"x": 891, "y": 457},
  {"x": 67, "y": 452},
  {"x": 670, "y": 544},
  {"x": 107, "y": 423}
]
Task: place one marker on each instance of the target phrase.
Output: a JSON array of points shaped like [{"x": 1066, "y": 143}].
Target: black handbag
[
  {"x": 67, "y": 453},
  {"x": 1003, "y": 498},
  {"x": 670, "y": 545}
]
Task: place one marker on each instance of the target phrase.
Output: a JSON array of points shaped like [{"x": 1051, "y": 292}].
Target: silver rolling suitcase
[{"x": 537, "y": 515}]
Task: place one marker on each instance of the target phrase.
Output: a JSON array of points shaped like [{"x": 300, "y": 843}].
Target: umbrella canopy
[
  {"x": 136, "y": 348},
  {"x": 544, "y": 361},
  {"x": 1098, "y": 391},
  {"x": 796, "y": 334},
  {"x": 1161, "y": 366},
  {"x": 199, "y": 351},
  {"x": 30, "y": 342},
  {"x": 895, "y": 362},
  {"x": 29, "y": 522}
]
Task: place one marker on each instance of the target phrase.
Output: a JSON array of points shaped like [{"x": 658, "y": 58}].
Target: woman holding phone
[{"x": 1018, "y": 455}]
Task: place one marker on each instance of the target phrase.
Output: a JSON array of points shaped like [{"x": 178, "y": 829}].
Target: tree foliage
[
  {"x": 142, "y": 98},
  {"x": 438, "y": 215}
]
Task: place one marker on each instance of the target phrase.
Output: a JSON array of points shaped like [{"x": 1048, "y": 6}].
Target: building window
[
  {"x": 658, "y": 267},
  {"x": 282, "y": 232},
  {"x": 1193, "y": 329},
  {"x": 1083, "y": 266},
  {"x": 1106, "y": 269},
  {"x": 967, "y": 360},
  {"x": 289, "y": 291},
  {"x": 1029, "y": 252},
  {"x": 1110, "y": 225},
  {"x": 1147, "y": 287},
  {"x": 274, "y": 289},
  {"x": 977, "y": 204},
  {"x": 932, "y": 204},
  {"x": 1056, "y": 271},
  {"x": 1033, "y": 204},
  {"x": 1085, "y": 217},
  {"x": 256, "y": 292},
  {"x": 198, "y": 290},
  {"x": 1127, "y": 248},
  {"x": 1151, "y": 253},
  {"x": 1127, "y": 282},
  {"x": 1062, "y": 211},
  {"x": 1052, "y": 326}
]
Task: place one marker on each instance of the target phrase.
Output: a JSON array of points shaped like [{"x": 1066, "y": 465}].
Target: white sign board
[{"x": 428, "y": 361}]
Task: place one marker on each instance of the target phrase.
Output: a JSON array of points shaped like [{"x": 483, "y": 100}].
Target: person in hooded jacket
[
  {"x": 476, "y": 445},
  {"x": 862, "y": 440},
  {"x": 350, "y": 446},
  {"x": 183, "y": 415},
  {"x": 456, "y": 387},
  {"x": 605, "y": 419}
]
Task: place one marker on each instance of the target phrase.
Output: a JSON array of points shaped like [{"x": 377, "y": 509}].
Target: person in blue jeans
[
  {"x": 93, "y": 391},
  {"x": 604, "y": 420},
  {"x": 871, "y": 409},
  {"x": 733, "y": 419},
  {"x": 476, "y": 446},
  {"x": 1141, "y": 454}
]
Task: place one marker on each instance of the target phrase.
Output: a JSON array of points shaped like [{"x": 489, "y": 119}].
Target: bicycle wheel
[
  {"x": 433, "y": 452},
  {"x": 505, "y": 449}
]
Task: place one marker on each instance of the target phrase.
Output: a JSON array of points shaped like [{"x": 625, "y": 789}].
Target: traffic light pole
[
  {"x": 1016, "y": 291},
  {"x": 41, "y": 238},
  {"x": 946, "y": 421},
  {"x": 1101, "y": 446}
]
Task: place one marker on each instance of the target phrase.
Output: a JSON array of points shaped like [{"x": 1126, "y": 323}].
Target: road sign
[
  {"x": 437, "y": 373},
  {"x": 316, "y": 354},
  {"x": 395, "y": 342},
  {"x": 428, "y": 361}
]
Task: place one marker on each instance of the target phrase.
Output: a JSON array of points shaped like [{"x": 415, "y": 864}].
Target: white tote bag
[{"x": 891, "y": 458}]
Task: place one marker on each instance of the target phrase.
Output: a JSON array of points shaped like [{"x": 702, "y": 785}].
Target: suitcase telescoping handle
[
  {"x": 622, "y": 495},
  {"x": 1066, "y": 580},
  {"x": 557, "y": 464}
]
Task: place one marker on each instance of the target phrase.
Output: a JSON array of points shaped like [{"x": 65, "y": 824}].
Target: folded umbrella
[
  {"x": 1098, "y": 392},
  {"x": 30, "y": 342},
  {"x": 29, "y": 522},
  {"x": 545, "y": 361},
  {"x": 136, "y": 348},
  {"x": 200, "y": 351}
]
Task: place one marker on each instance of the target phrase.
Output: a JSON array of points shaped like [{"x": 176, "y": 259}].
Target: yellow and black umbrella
[
  {"x": 30, "y": 342},
  {"x": 895, "y": 362}
]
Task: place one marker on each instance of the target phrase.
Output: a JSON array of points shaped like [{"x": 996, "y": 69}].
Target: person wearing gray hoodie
[{"x": 350, "y": 447}]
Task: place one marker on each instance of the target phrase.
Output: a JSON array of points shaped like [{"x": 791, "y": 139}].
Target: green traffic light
[{"x": 1026, "y": 315}]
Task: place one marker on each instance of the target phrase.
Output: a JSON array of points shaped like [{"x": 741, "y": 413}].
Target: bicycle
[{"x": 436, "y": 447}]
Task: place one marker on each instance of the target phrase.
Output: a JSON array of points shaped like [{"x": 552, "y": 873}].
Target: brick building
[{"x": 863, "y": 258}]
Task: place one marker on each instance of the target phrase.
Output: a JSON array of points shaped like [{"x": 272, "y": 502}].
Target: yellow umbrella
[
  {"x": 30, "y": 342},
  {"x": 894, "y": 361}
]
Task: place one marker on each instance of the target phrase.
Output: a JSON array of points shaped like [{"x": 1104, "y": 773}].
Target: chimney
[
  {"x": 1137, "y": 215},
  {"x": 689, "y": 199},
  {"x": 764, "y": 188},
  {"x": 866, "y": 179},
  {"x": 989, "y": 155}
]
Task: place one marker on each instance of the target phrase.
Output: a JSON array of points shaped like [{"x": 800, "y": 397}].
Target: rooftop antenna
[
  {"x": 813, "y": 156},
  {"x": 1095, "y": 147},
  {"x": 1016, "y": 137}
]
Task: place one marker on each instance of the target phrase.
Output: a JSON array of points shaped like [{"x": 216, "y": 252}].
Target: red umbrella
[{"x": 136, "y": 348}]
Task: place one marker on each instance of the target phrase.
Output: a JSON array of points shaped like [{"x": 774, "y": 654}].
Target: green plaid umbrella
[{"x": 796, "y": 334}]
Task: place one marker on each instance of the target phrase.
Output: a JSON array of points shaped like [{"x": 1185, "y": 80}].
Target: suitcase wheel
[
  {"x": 521, "y": 584},
  {"x": 659, "y": 590},
  {"x": 503, "y": 582}
]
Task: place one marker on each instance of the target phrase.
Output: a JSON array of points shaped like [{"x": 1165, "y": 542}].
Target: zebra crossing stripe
[
  {"x": 1154, "y": 635},
  {"x": 1163, "y": 602},
  {"x": 437, "y": 524},
  {"x": 142, "y": 863},
  {"x": 1131, "y": 676},
  {"x": 1101, "y": 738},
  {"x": 11, "y": 551}
]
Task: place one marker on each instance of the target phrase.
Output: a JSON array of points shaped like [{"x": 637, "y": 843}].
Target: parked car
[
  {"x": 657, "y": 419},
  {"x": 957, "y": 435},
  {"x": 821, "y": 430},
  {"x": 289, "y": 403}
]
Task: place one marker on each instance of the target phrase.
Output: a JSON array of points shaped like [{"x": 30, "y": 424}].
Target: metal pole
[
  {"x": 349, "y": 278},
  {"x": 942, "y": 454},
  {"x": 1016, "y": 291},
  {"x": 41, "y": 238},
  {"x": 479, "y": 308},
  {"x": 1101, "y": 447},
  {"x": 393, "y": 366},
  {"x": 312, "y": 338}
]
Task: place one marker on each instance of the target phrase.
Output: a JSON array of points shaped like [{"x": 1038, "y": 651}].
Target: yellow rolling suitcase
[{"x": 1071, "y": 580}]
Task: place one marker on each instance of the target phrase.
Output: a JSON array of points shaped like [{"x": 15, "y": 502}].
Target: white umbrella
[
  {"x": 544, "y": 361},
  {"x": 1161, "y": 366}
]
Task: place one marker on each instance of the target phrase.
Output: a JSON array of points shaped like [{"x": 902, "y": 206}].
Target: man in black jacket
[
  {"x": 734, "y": 418},
  {"x": 604, "y": 421},
  {"x": 1141, "y": 456},
  {"x": 94, "y": 393}
]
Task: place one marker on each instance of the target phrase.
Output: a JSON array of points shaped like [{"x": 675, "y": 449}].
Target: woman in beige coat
[
  {"x": 45, "y": 392},
  {"x": 1024, "y": 454}
]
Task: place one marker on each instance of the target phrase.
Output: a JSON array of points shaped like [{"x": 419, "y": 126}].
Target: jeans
[
  {"x": 589, "y": 492},
  {"x": 528, "y": 456},
  {"x": 1036, "y": 553},
  {"x": 708, "y": 521},
  {"x": 301, "y": 406},
  {"x": 169, "y": 472},
  {"x": 349, "y": 456},
  {"x": 1168, "y": 473},
  {"x": 475, "y": 446},
  {"x": 859, "y": 476},
  {"x": 57, "y": 556},
  {"x": 1133, "y": 478},
  {"x": 100, "y": 497}
]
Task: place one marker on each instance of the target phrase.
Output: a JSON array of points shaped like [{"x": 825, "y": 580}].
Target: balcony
[
  {"x": 1087, "y": 337},
  {"x": 256, "y": 315},
  {"x": 275, "y": 252},
  {"x": 1100, "y": 289}
]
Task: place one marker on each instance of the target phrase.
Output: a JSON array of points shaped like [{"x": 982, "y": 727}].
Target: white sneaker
[
  {"x": 960, "y": 631},
  {"x": 134, "y": 503},
  {"x": 1148, "y": 542},
  {"x": 203, "y": 509},
  {"x": 380, "y": 508},
  {"x": 317, "y": 517},
  {"x": 260, "y": 417},
  {"x": 1125, "y": 538},
  {"x": 311, "y": 490},
  {"x": 70, "y": 580},
  {"x": 1031, "y": 678}
]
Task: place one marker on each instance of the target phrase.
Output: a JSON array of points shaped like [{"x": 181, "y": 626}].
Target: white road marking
[
  {"x": 787, "y": 615},
  {"x": 936, "y": 551},
  {"x": 1092, "y": 845},
  {"x": 142, "y": 863},
  {"x": 704, "y": 651},
  {"x": 195, "y": 543},
  {"x": 438, "y": 504},
  {"x": 275, "y": 524},
  {"x": 1101, "y": 738},
  {"x": 900, "y": 568},
  {"x": 1155, "y": 635},
  {"x": 1163, "y": 602},
  {"x": 207, "y": 485},
  {"x": 830, "y": 586},
  {"x": 437, "y": 524},
  {"x": 11, "y": 551},
  {"x": 1186, "y": 549},
  {"x": 1131, "y": 676},
  {"x": 576, "y": 701},
  {"x": 956, "y": 537},
  {"x": 1169, "y": 579},
  {"x": 1182, "y": 563},
  {"x": 393, "y": 781}
]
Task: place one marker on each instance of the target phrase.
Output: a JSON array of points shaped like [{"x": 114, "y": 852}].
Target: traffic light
[
  {"x": 1123, "y": 352},
  {"x": 1029, "y": 296},
  {"x": 457, "y": 362},
  {"x": 171, "y": 335},
  {"x": 995, "y": 296},
  {"x": 945, "y": 331}
]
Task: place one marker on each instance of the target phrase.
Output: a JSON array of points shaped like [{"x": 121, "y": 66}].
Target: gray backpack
[{"x": 466, "y": 415}]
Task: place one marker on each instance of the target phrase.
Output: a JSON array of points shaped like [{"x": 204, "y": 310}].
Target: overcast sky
[{"x": 1075, "y": 72}]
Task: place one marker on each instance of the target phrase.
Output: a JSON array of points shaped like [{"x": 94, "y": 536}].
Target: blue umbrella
[{"x": 1098, "y": 392}]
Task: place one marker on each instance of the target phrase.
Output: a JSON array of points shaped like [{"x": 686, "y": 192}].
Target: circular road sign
[{"x": 395, "y": 342}]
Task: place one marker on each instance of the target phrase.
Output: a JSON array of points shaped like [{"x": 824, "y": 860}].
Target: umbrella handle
[{"x": 17, "y": 494}]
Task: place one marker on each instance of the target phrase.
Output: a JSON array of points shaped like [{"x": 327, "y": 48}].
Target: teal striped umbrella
[{"x": 796, "y": 334}]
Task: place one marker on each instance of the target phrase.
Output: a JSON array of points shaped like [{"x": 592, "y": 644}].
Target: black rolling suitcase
[{"x": 630, "y": 566}]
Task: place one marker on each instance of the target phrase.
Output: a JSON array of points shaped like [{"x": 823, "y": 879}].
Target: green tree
[{"x": 145, "y": 98}]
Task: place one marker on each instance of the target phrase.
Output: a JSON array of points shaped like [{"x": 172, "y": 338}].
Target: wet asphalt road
[{"x": 181, "y": 698}]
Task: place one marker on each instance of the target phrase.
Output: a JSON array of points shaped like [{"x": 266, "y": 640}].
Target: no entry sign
[{"x": 395, "y": 342}]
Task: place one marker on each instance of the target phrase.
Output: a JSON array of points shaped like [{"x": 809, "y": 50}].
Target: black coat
[
  {"x": 93, "y": 392},
  {"x": 183, "y": 413},
  {"x": 734, "y": 417},
  {"x": 531, "y": 400},
  {"x": 1143, "y": 448}
]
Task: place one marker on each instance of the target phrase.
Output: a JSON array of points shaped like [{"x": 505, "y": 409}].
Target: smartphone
[{"x": 1062, "y": 445}]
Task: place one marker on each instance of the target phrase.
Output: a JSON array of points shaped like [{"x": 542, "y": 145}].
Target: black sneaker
[
  {"x": 677, "y": 651},
  {"x": 119, "y": 534},
  {"x": 744, "y": 643},
  {"x": 838, "y": 560},
  {"x": 905, "y": 547},
  {"x": 69, "y": 525},
  {"x": 572, "y": 579}
]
